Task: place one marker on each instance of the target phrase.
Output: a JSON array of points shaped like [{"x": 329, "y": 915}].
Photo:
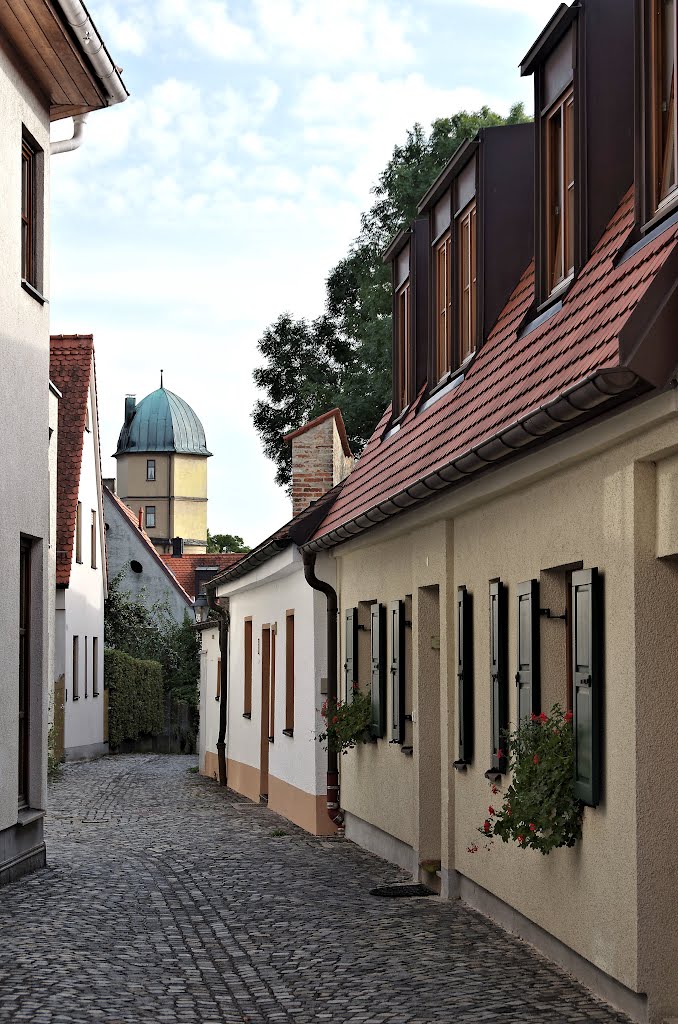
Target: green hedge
[{"x": 135, "y": 697}]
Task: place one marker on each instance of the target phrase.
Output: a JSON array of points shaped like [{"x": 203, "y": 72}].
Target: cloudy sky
[{"x": 223, "y": 191}]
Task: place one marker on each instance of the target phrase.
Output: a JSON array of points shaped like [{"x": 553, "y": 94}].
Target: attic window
[
  {"x": 559, "y": 189},
  {"x": 467, "y": 269},
  {"x": 402, "y": 364},
  {"x": 663, "y": 127}
]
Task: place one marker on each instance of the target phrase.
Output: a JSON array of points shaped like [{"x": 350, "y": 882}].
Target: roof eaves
[
  {"x": 397, "y": 244},
  {"x": 549, "y": 37},
  {"x": 455, "y": 164},
  {"x": 249, "y": 563},
  {"x": 575, "y": 403}
]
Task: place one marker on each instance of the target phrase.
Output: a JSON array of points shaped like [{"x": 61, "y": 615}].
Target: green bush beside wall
[{"x": 135, "y": 697}]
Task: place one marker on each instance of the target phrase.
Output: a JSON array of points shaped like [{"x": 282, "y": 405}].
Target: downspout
[
  {"x": 76, "y": 139},
  {"x": 333, "y": 801},
  {"x": 224, "y": 623}
]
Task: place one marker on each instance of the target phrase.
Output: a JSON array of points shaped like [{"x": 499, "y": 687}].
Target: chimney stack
[
  {"x": 321, "y": 458},
  {"x": 109, "y": 482},
  {"x": 141, "y": 518}
]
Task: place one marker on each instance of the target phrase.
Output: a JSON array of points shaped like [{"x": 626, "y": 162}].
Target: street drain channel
[{"x": 404, "y": 890}]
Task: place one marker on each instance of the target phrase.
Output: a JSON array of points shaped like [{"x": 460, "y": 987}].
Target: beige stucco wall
[
  {"x": 603, "y": 498},
  {"x": 379, "y": 783},
  {"x": 179, "y": 493}
]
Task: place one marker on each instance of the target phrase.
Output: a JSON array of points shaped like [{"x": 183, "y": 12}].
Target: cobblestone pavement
[{"x": 167, "y": 900}]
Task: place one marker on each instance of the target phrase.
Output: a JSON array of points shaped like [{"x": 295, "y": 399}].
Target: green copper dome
[{"x": 161, "y": 422}]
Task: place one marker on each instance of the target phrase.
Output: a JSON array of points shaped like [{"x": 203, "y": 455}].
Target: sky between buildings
[{"x": 228, "y": 185}]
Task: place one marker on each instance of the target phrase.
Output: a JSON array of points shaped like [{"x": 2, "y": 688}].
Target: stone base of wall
[
  {"x": 386, "y": 846},
  {"x": 87, "y": 752},
  {"x": 307, "y": 810},
  {"x": 601, "y": 984},
  {"x": 22, "y": 850}
]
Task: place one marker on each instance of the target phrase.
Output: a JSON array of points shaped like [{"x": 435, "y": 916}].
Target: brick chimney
[{"x": 321, "y": 458}]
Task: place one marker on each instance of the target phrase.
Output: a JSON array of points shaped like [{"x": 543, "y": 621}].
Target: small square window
[
  {"x": 150, "y": 469},
  {"x": 150, "y": 516}
]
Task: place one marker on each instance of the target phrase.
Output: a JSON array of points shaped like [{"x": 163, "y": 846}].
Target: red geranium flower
[
  {"x": 533, "y": 827},
  {"x": 494, "y": 791},
  {"x": 491, "y": 810},
  {"x": 534, "y": 718},
  {"x": 543, "y": 718},
  {"x": 486, "y": 826},
  {"x": 500, "y": 753},
  {"x": 521, "y": 840},
  {"x": 535, "y": 759},
  {"x": 568, "y": 716},
  {"x": 335, "y": 720}
]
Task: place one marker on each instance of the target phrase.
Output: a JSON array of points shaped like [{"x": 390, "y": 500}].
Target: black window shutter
[
  {"x": 528, "y": 674},
  {"x": 587, "y": 682},
  {"x": 465, "y": 674},
  {"x": 397, "y": 613},
  {"x": 378, "y": 635},
  {"x": 498, "y": 673},
  {"x": 351, "y": 661}
]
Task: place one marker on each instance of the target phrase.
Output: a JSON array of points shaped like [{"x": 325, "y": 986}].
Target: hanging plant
[
  {"x": 539, "y": 810},
  {"x": 346, "y": 722}
]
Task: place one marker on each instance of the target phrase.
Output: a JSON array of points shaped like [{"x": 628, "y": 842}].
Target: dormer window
[
  {"x": 559, "y": 190},
  {"x": 663, "y": 101},
  {"x": 468, "y": 281},
  {"x": 402, "y": 314},
  {"x": 441, "y": 233}
]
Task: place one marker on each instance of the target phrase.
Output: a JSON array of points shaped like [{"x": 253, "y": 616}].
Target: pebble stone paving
[{"x": 167, "y": 900}]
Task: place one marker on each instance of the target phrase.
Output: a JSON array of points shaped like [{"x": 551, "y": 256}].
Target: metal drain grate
[{"x": 401, "y": 890}]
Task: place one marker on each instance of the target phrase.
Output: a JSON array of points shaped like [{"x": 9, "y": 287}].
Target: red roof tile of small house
[
  {"x": 184, "y": 568},
  {"x": 514, "y": 375},
  {"x": 70, "y": 367}
]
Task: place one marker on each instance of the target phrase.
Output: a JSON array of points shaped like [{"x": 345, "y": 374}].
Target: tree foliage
[
  {"x": 344, "y": 357},
  {"x": 150, "y": 633},
  {"x": 220, "y": 543},
  {"x": 136, "y": 706}
]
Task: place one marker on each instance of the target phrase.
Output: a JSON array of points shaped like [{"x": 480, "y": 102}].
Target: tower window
[
  {"x": 150, "y": 516},
  {"x": 150, "y": 469}
]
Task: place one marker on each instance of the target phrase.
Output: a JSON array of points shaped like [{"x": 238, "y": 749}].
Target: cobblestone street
[{"x": 166, "y": 900}]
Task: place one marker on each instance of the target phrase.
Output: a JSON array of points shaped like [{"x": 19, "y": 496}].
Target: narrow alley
[{"x": 166, "y": 900}]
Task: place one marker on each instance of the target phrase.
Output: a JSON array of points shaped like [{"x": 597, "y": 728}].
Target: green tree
[
  {"x": 344, "y": 358},
  {"x": 218, "y": 543}
]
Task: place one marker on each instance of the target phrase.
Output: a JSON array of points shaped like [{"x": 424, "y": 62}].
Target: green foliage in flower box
[
  {"x": 346, "y": 722},
  {"x": 539, "y": 810}
]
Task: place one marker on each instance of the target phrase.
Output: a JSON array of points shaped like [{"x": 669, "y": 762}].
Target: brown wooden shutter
[
  {"x": 351, "y": 659},
  {"x": 465, "y": 674},
  {"x": 397, "y": 615},
  {"x": 528, "y": 674},
  {"x": 378, "y": 677},
  {"x": 587, "y": 662},
  {"x": 498, "y": 673}
]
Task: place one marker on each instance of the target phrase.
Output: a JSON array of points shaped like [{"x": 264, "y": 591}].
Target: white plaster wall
[
  {"x": 53, "y": 445},
  {"x": 209, "y": 705},
  {"x": 24, "y": 428},
  {"x": 266, "y": 595},
  {"x": 84, "y": 614}
]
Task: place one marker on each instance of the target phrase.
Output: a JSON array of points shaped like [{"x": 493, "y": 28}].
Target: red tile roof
[
  {"x": 511, "y": 377},
  {"x": 184, "y": 568},
  {"x": 152, "y": 550},
  {"x": 70, "y": 368}
]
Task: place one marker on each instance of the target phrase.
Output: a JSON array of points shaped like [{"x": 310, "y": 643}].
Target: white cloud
[
  {"x": 125, "y": 34},
  {"x": 540, "y": 10},
  {"x": 208, "y": 25}
]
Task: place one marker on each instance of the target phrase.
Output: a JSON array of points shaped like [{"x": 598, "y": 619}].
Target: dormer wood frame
[{"x": 656, "y": 112}]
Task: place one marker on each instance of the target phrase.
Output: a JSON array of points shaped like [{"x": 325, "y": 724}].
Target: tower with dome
[{"x": 162, "y": 469}]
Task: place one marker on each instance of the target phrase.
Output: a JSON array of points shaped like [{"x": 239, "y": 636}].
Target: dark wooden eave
[
  {"x": 549, "y": 38},
  {"x": 37, "y": 39},
  {"x": 397, "y": 244},
  {"x": 449, "y": 172}
]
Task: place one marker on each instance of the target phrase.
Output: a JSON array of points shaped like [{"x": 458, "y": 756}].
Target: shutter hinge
[{"x": 548, "y": 614}]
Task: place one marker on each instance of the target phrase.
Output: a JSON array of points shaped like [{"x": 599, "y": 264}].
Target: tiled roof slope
[
  {"x": 134, "y": 524},
  {"x": 184, "y": 568},
  {"x": 70, "y": 366},
  {"x": 297, "y": 531},
  {"x": 511, "y": 376}
]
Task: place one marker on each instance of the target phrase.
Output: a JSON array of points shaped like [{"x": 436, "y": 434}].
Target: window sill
[
  {"x": 460, "y": 766},
  {"x": 76, "y": 698},
  {"x": 669, "y": 206},
  {"x": 288, "y": 732},
  {"x": 217, "y": 698},
  {"x": 558, "y": 294},
  {"x": 653, "y": 229},
  {"x": 492, "y": 775},
  {"x": 271, "y": 739},
  {"x": 408, "y": 751},
  {"x": 247, "y": 714},
  {"x": 444, "y": 387},
  {"x": 27, "y": 815},
  {"x": 33, "y": 291},
  {"x": 94, "y": 695}
]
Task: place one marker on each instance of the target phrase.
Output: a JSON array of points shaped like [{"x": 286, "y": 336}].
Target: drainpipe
[
  {"x": 333, "y": 805},
  {"x": 76, "y": 139},
  {"x": 224, "y": 623}
]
